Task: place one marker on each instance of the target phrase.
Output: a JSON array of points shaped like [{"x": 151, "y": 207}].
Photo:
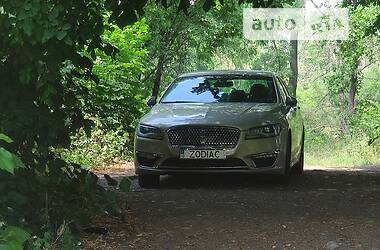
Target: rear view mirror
[
  {"x": 290, "y": 101},
  {"x": 152, "y": 101}
]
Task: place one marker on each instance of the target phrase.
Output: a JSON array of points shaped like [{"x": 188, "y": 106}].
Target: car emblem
[{"x": 202, "y": 137}]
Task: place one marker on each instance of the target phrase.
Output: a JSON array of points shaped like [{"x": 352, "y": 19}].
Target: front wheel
[
  {"x": 149, "y": 180},
  {"x": 298, "y": 167},
  {"x": 285, "y": 177}
]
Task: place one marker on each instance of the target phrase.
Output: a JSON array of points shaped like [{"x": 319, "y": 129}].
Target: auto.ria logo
[{"x": 295, "y": 24}]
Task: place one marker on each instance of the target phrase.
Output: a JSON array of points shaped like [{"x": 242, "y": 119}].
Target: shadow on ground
[
  {"x": 318, "y": 210},
  {"x": 314, "y": 179}
]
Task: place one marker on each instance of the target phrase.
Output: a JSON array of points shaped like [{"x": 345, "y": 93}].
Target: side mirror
[
  {"x": 291, "y": 102},
  {"x": 152, "y": 101}
]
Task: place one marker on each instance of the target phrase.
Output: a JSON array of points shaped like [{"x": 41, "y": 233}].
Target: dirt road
[{"x": 319, "y": 210}]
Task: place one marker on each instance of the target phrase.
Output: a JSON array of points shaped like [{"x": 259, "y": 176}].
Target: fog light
[
  {"x": 147, "y": 159},
  {"x": 264, "y": 160}
]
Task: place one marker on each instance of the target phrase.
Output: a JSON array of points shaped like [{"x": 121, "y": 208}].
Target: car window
[{"x": 203, "y": 89}]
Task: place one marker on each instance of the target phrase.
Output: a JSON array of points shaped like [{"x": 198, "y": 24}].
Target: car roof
[{"x": 228, "y": 73}]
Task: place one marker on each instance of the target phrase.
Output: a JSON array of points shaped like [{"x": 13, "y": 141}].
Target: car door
[{"x": 293, "y": 118}]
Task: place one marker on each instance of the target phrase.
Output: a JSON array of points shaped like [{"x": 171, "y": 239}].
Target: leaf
[
  {"x": 9, "y": 162},
  {"x": 68, "y": 41},
  {"x": 61, "y": 34},
  {"x": 5, "y": 138},
  {"x": 11, "y": 245},
  {"x": 125, "y": 184},
  {"x": 47, "y": 34},
  {"x": 14, "y": 238},
  {"x": 66, "y": 26},
  {"x": 6, "y": 161}
]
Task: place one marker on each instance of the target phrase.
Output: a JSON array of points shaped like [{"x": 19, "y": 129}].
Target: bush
[{"x": 102, "y": 147}]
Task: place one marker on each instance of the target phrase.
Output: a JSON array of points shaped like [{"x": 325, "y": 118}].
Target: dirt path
[{"x": 319, "y": 210}]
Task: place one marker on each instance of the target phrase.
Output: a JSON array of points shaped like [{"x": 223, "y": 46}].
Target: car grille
[{"x": 204, "y": 136}]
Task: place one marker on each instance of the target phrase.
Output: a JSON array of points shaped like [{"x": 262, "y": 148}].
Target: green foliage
[
  {"x": 62, "y": 192},
  {"x": 12, "y": 238},
  {"x": 368, "y": 120},
  {"x": 352, "y": 53},
  {"x": 117, "y": 102},
  {"x": 46, "y": 60},
  {"x": 62, "y": 238},
  {"x": 5, "y": 138},
  {"x": 8, "y": 161},
  {"x": 42, "y": 36},
  {"x": 329, "y": 71},
  {"x": 101, "y": 148},
  {"x": 118, "y": 99},
  {"x": 172, "y": 34}
]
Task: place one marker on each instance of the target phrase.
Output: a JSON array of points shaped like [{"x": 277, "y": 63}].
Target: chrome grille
[{"x": 204, "y": 136}]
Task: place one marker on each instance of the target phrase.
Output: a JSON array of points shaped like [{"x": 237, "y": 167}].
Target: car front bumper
[{"x": 264, "y": 155}]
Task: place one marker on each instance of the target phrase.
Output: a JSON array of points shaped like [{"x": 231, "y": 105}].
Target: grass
[{"x": 342, "y": 152}]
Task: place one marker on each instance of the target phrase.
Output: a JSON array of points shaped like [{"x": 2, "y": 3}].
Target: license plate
[{"x": 203, "y": 154}]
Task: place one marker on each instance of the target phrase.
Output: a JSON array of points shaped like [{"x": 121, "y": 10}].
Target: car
[{"x": 220, "y": 122}]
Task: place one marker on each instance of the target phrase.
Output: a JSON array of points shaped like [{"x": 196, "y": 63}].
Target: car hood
[{"x": 241, "y": 115}]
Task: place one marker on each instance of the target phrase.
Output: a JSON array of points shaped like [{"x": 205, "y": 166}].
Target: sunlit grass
[{"x": 343, "y": 153}]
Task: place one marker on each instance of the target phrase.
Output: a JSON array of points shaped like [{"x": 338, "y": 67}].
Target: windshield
[{"x": 257, "y": 89}]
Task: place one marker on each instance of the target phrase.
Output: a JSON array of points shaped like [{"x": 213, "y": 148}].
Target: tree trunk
[
  {"x": 353, "y": 88},
  {"x": 354, "y": 69},
  {"x": 158, "y": 76},
  {"x": 293, "y": 66}
]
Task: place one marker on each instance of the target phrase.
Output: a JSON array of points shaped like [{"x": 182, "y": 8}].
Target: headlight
[
  {"x": 264, "y": 131},
  {"x": 149, "y": 132}
]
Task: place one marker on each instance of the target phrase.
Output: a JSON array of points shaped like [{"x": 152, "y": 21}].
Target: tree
[
  {"x": 293, "y": 66},
  {"x": 182, "y": 31},
  {"x": 171, "y": 31},
  {"x": 47, "y": 52},
  {"x": 354, "y": 51}
]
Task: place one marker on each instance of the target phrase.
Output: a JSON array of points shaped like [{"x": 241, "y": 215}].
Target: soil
[{"x": 322, "y": 209}]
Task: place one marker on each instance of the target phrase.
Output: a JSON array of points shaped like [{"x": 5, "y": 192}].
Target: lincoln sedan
[{"x": 221, "y": 122}]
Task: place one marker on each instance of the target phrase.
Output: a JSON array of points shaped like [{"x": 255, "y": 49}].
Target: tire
[
  {"x": 298, "y": 167},
  {"x": 149, "y": 180},
  {"x": 285, "y": 177}
]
